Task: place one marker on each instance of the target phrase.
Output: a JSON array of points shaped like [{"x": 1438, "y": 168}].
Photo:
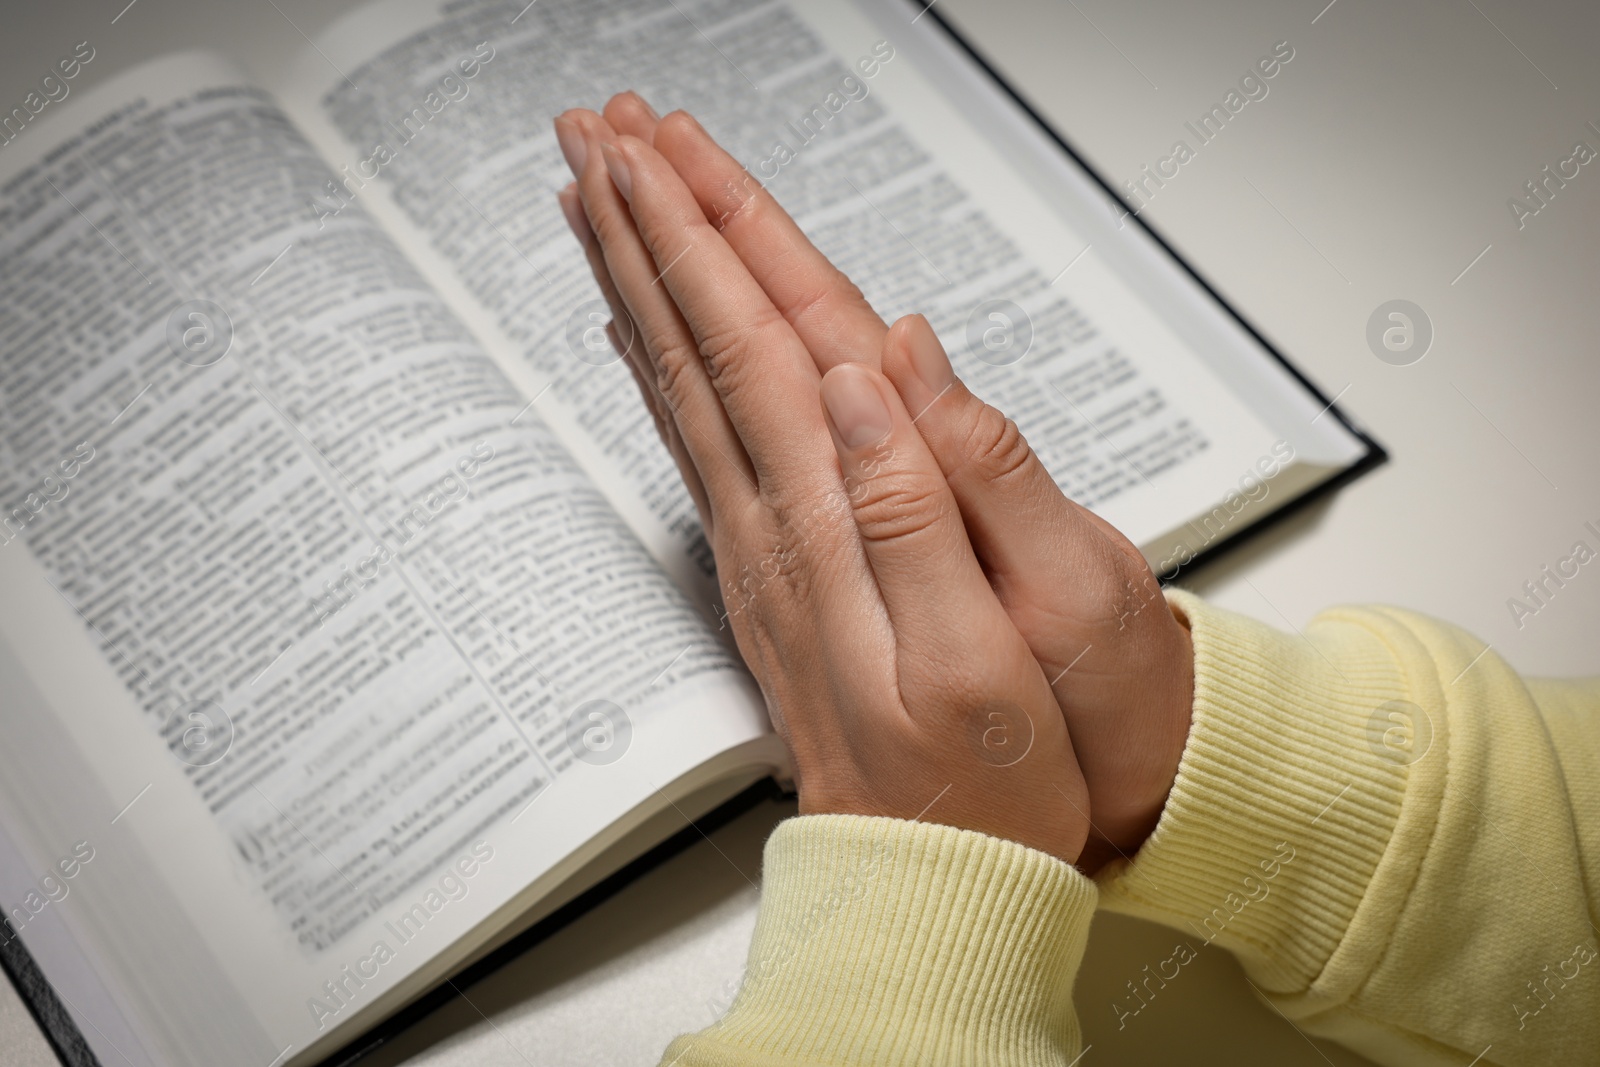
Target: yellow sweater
[{"x": 1397, "y": 835}]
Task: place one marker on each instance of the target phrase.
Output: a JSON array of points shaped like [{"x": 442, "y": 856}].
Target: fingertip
[
  {"x": 896, "y": 345},
  {"x": 635, "y": 164},
  {"x": 628, "y": 112},
  {"x": 678, "y": 123},
  {"x": 570, "y": 137},
  {"x": 644, "y": 104},
  {"x": 916, "y": 362},
  {"x": 635, "y": 151},
  {"x": 580, "y": 118},
  {"x": 617, "y": 164},
  {"x": 689, "y": 146},
  {"x": 591, "y": 124}
]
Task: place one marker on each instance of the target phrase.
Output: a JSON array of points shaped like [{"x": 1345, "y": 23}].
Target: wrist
[
  {"x": 1162, "y": 701},
  {"x": 1176, "y": 701}
]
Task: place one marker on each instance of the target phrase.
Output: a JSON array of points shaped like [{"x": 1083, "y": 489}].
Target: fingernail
[
  {"x": 646, "y": 105},
  {"x": 928, "y": 359},
  {"x": 619, "y": 170},
  {"x": 577, "y": 218},
  {"x": 573, "y": 146},
  {"x": 856, "y": 406}
]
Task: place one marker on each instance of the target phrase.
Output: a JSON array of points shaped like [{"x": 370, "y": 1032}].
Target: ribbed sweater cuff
[
  {"x": 890, "y": 942},
  {"x": 1287, "y": 795}
]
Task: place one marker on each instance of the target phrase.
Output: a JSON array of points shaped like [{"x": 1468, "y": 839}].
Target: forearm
[{"x": 1375, "y": 819}]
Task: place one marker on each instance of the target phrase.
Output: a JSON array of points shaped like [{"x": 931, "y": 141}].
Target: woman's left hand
[{"x": 1079, "y": 593}]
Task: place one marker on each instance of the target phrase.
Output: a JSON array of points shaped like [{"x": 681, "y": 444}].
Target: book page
[
  {"x": 366, "y": 623},
  {"x": 887, "y": 178}
]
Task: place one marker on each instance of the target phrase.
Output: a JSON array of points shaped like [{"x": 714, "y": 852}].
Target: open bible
[{"x": 353, "y": 617}]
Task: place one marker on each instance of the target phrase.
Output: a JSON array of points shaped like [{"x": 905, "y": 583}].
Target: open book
[{"x": 353, "y": 617}]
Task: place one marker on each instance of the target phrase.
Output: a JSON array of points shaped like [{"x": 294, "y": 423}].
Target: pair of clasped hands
[{"x": 938, "y": 631}]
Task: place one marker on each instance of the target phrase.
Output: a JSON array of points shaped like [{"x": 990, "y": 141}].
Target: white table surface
[{"x": 1378, "y": 167}]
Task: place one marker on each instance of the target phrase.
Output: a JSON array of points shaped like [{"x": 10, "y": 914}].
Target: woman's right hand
[{"x": 1083, "y": 598}]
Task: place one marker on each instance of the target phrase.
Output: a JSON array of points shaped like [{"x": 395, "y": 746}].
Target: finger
[
  {"x": 1020, "y": 522},
  {"x": 745, "y": 350},
  {"x": 624, "y": 336},
  {"x": 936, "y": 595},
  {"x": 578, "y": 222},
  {"x": 819, "y": 301},
  {"x": 707, "y": 434},
  {"x": 667, "y": 430},
  {"x": 646, "y": 391},
  {"x": 628, "y": 113}
]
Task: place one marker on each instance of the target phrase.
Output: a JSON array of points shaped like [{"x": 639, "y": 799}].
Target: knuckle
[
  {"x": 732, "y": 199},
  {"x": 835, "y": 292},
  {"x": 673, "y": 358},
  {"x": 895, "y": 506},
  {"x": 610, "y": 227},
  {"x": 800, "y": 533},
  {"x": 763, "y": 555},
  {"x": 661, "y": 232},
  {"x": 993, "y": 446},
  {"x": 728, "y": 349},
  {"x": 793, "y": 520}
]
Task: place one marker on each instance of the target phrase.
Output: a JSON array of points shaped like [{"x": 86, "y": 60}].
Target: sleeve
[
  {"x": 1397, "y": 835},
  {"x": 881, "y": 941}
]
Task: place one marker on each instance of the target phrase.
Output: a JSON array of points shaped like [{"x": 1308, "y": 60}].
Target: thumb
[
  {"x": 936, "y": 595},
  {"x": 1021, "y": 524}
]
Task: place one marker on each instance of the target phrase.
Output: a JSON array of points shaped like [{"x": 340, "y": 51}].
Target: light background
[{"x": 1378, "y": 167}]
